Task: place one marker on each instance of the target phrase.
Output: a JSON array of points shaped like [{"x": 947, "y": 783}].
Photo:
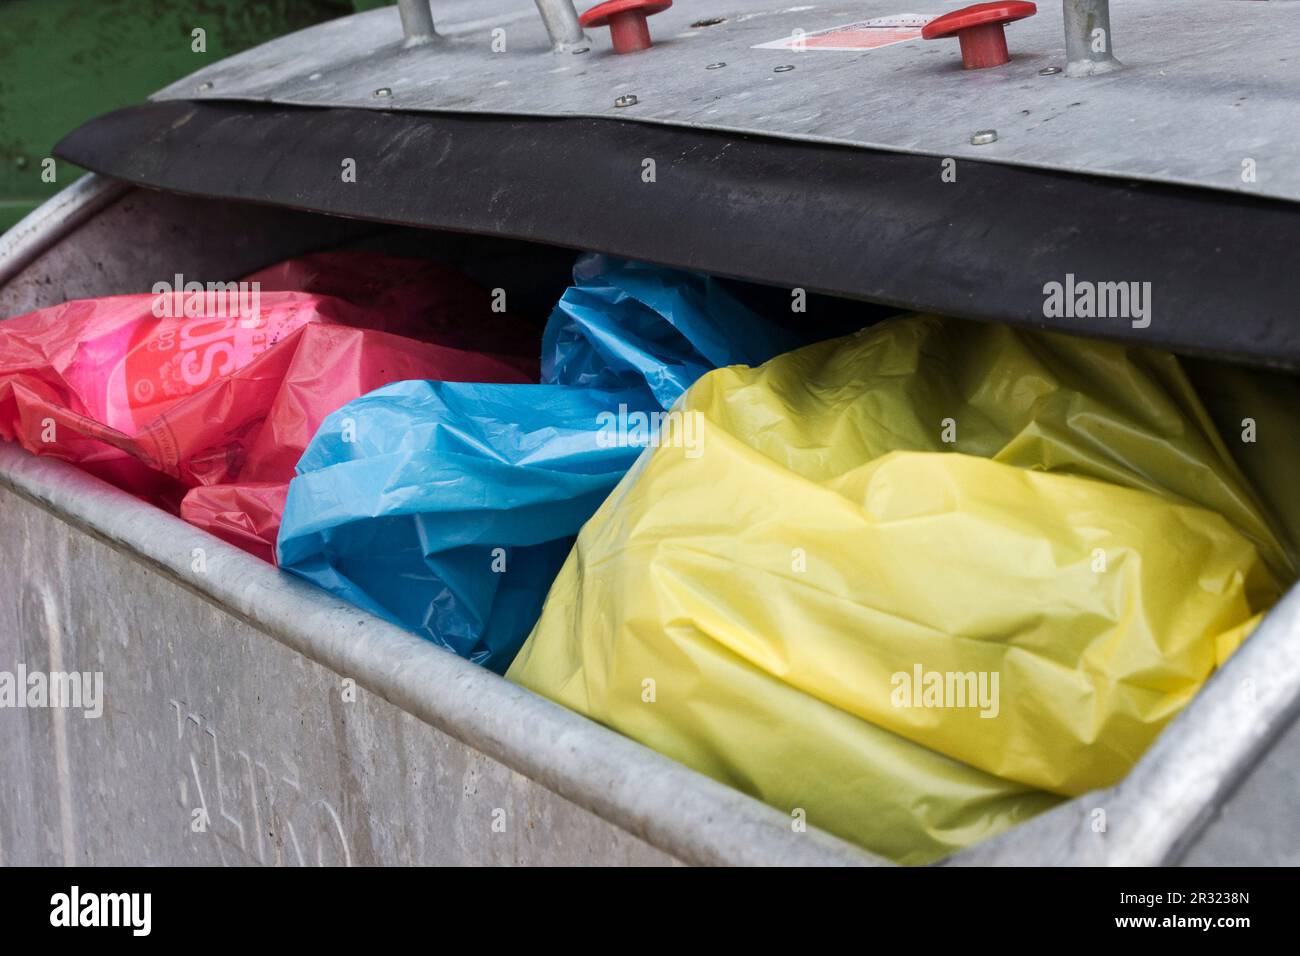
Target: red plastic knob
[
  {"x": 626, "y": 21},
  {"x": 979, "y": 28}
]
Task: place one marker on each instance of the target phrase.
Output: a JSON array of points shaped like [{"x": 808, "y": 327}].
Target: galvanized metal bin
[
  {"x": 250, "y": 718},
  {"x": 225, "y": 688}
]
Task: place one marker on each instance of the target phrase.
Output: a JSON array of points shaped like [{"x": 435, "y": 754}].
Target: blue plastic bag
[
  {"x": 628, "y": 323},
  {"x": 448, "y": 508}
]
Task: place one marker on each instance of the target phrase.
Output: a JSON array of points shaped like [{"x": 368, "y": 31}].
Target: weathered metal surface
[
  {"x": 219, "y": 745},
  {"x": 560, "y": 18},
  {"x": 142, "y": 237},
  {"x": 1089, "y": 47},
  {"x": 36, "y": 232},
  {"x": 118, "y": 250},
  {"x": 1207, "y": 84},
  {"x": 417, "y": 22},
  {"x": 1259, "y": 824}
]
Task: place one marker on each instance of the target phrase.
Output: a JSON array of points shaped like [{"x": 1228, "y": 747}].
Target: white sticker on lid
[{"x": 863, "y": 35}]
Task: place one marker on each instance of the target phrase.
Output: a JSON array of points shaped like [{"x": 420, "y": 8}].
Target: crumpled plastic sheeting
[
  {"x": 207, "y": 416},
  {"x": 624, "y": 324},
  {"x": 927, "y": 497},
  {"x": 454, "y": 504}
]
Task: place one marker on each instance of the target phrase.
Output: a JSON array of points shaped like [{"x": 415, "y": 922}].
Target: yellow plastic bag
[{"x": 920, "y": 583}]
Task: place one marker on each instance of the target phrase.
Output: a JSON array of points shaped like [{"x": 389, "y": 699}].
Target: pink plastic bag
[{"x": 207, "y": 414}]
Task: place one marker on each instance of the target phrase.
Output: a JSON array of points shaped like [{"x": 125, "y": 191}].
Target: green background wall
[{"x": 65, "y": 61}]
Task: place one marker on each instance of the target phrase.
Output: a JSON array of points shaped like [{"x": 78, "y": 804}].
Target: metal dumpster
[{"x": 249, "y": 718}]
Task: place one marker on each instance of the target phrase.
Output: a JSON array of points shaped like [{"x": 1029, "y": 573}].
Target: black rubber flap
[{"x": 1204, "y": 271}]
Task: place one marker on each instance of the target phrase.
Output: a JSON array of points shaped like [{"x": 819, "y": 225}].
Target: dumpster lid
[{"x": 1206, "y": 98}]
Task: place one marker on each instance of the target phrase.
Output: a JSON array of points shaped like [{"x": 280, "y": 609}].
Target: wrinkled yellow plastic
[{"x": 929, "y": 496}]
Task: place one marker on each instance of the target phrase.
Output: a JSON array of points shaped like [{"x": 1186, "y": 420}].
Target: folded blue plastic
[{"x": 448, "y": 507}]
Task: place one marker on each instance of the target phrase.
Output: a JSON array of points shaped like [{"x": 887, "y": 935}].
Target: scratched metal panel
[
  {"x": 1259, "y": 825},
  {"x": 117, "y": 250},
  {"x": 218, "y": 745},
  {"x": 1208, "y": 83}
]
